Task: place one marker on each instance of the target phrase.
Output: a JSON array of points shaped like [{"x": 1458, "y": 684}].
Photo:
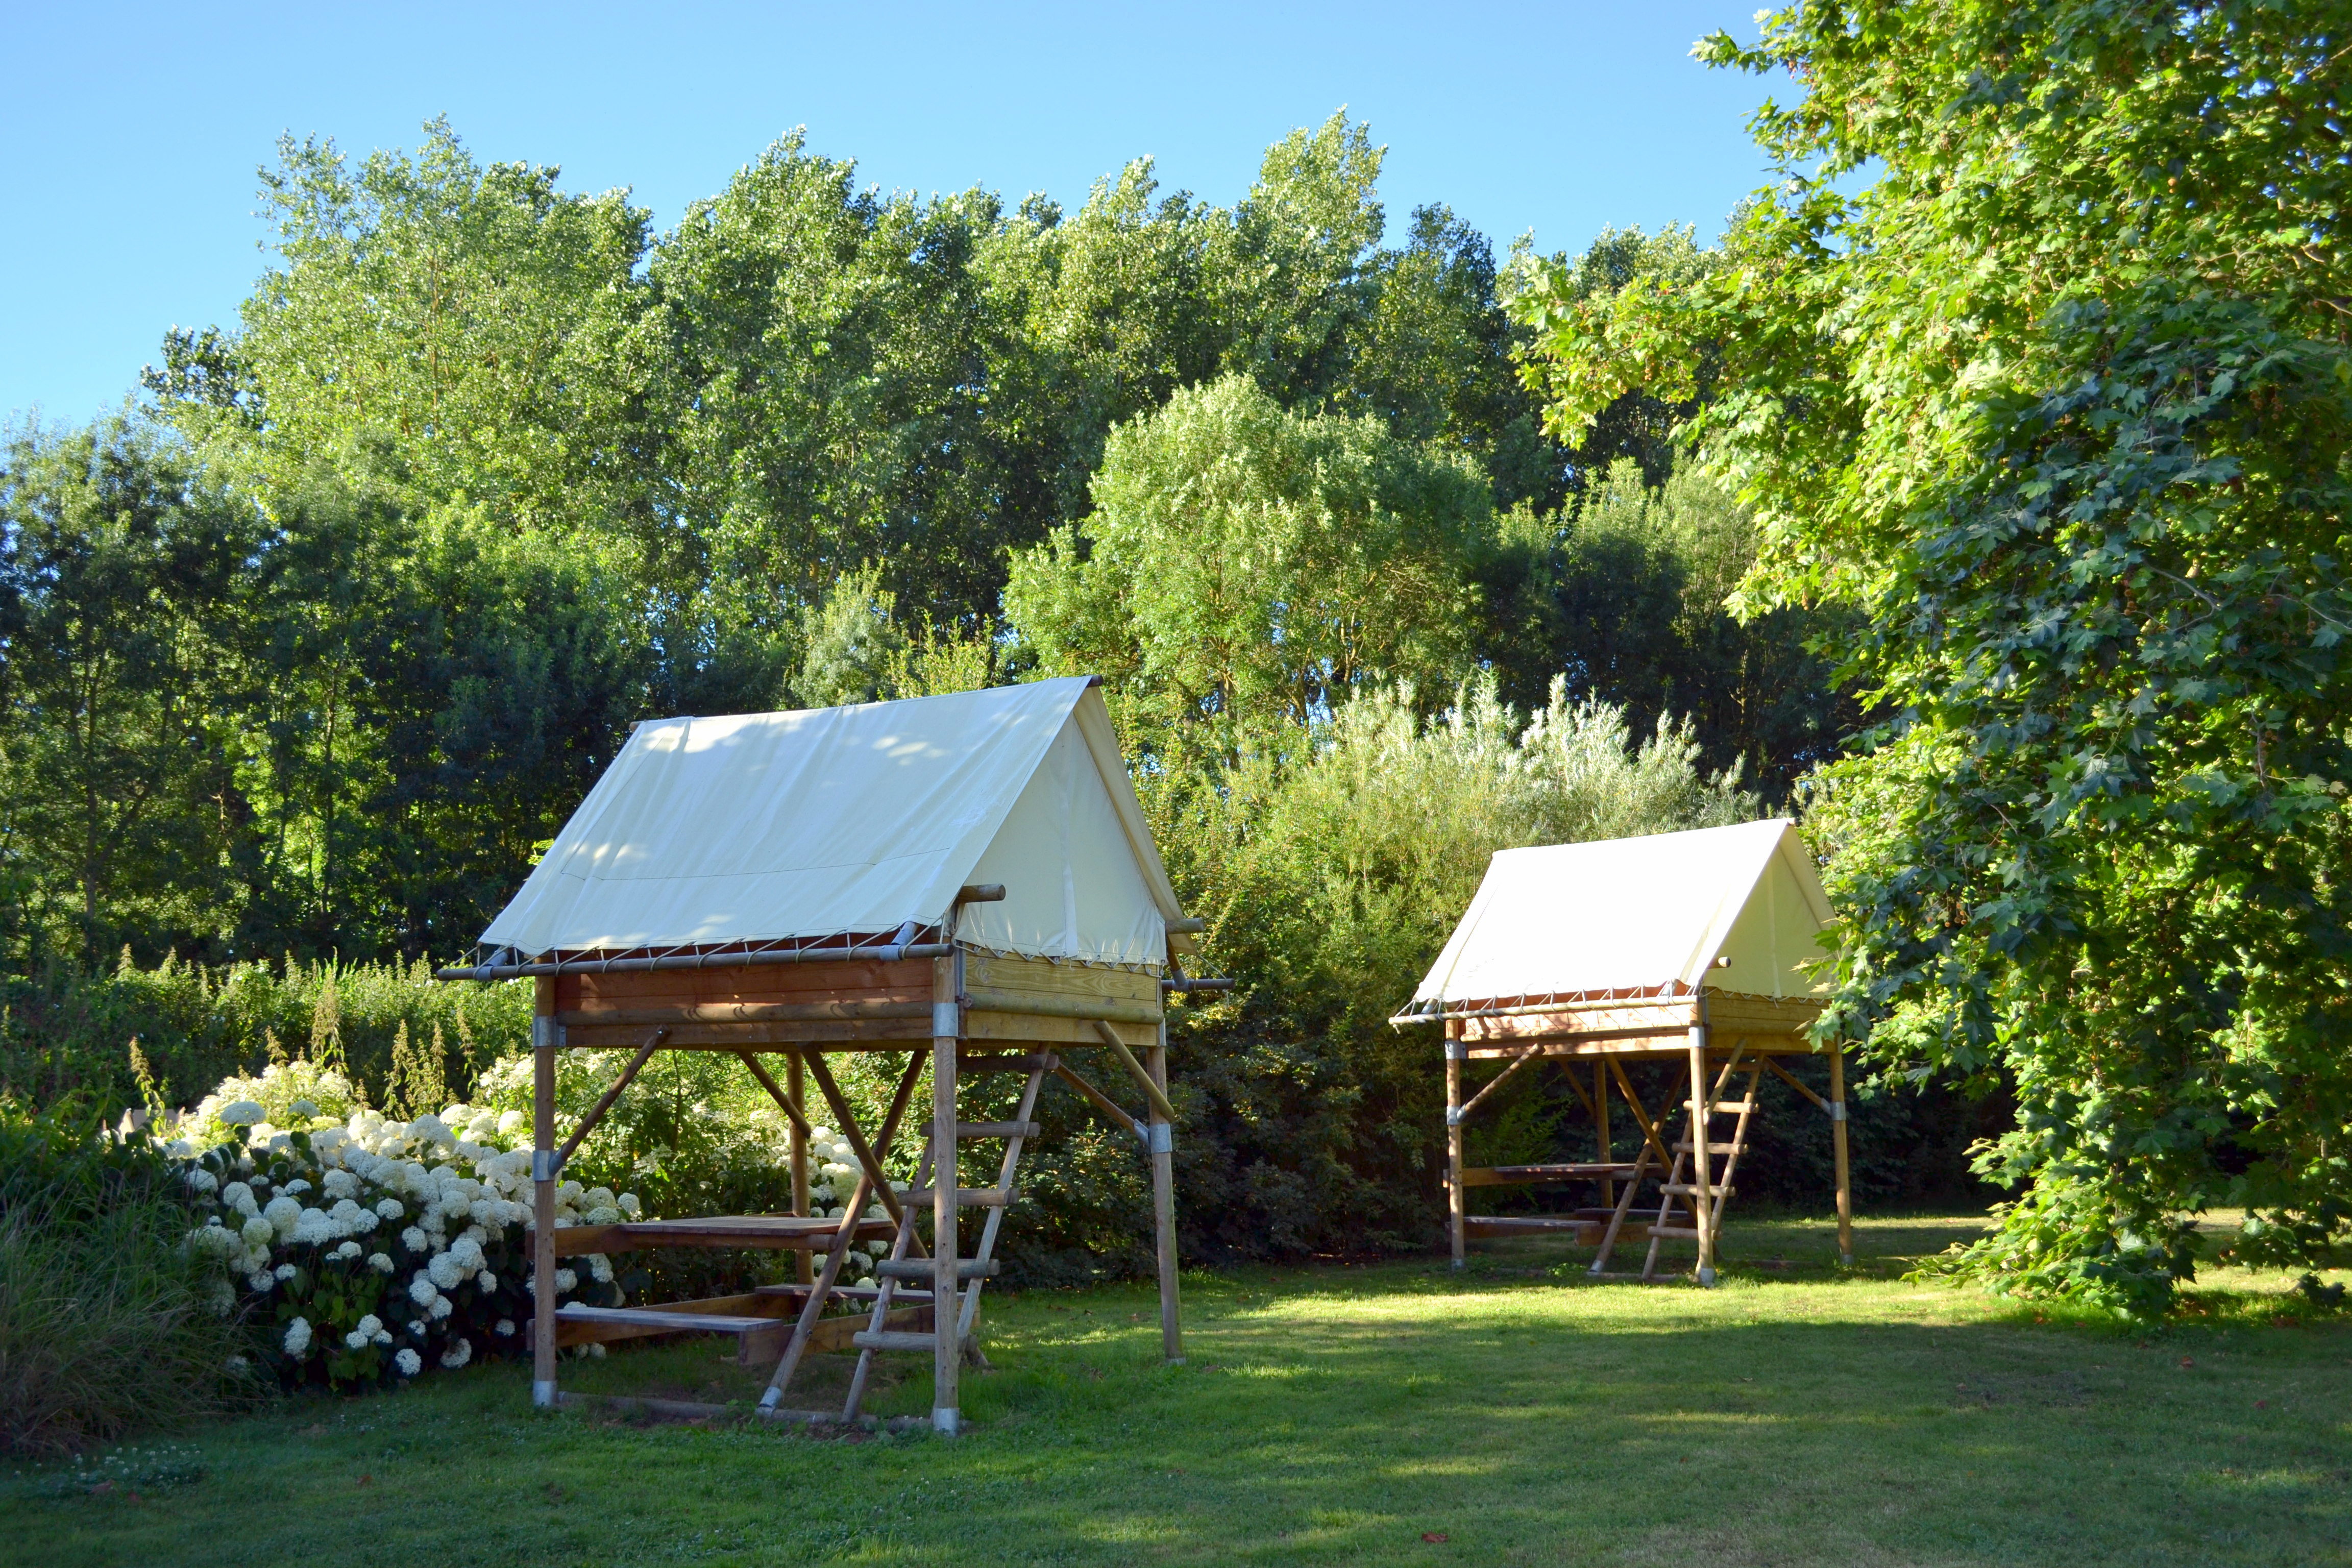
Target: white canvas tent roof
[
  {"x": 1625, "y": 916},
  {"x": 764, "y": 826}
]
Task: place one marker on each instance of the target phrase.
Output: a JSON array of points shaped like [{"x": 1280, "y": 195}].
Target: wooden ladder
[
  {"x": 956, "y": 1315},
  {"x": 1681, "y": 1185}
]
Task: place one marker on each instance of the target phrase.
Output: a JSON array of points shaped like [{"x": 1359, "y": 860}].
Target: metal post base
[
  {"x": 946, "y": 1421},
  {"x": 543, "y": 1395}
]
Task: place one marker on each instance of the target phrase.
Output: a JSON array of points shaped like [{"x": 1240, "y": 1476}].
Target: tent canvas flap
[
  {"x": 1636, "y": 914},
  {"x": 762, "y": 826}
]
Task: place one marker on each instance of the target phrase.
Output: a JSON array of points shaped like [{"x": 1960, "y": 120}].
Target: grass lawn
[{"x": 1794, "y": 1416}]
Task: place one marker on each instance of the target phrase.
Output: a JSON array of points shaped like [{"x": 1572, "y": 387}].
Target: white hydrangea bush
[{"x": 377, "y": 1247}]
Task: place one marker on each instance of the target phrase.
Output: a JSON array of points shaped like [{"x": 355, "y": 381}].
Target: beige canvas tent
[
  {"x": 921, "y": 877},
  {"x": 1691, "y": 949}
]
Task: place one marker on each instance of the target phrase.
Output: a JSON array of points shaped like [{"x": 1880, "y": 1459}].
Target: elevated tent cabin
[
  {"x": 965, "y": 879},
  {"x": 1688, "y": 949}
]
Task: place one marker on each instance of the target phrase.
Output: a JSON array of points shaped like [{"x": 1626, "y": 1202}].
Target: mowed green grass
[{"x": 1797, "y": 1415}]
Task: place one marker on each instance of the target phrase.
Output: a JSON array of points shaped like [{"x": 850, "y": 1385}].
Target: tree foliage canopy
[{"x": 2058, "y": 405}]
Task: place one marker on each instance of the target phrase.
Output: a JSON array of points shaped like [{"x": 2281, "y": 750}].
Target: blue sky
[{"x": 133, "y": 132}]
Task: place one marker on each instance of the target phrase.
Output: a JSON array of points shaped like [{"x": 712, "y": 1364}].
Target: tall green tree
[
  {"x": 121, "y": 563},
  {"x": 1246, "y": 569},
  {"x": 2059, "y": 404}
]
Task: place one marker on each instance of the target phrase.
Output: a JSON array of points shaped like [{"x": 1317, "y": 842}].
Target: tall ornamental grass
[{"x": 104, "y": 1326}]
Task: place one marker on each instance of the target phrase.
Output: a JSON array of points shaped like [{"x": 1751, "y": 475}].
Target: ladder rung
[
  {"x": 966, "y": 1197},
  {"x": 891, "y": 1340},
  {"x": 1687, "y": 1187},
  {"x": 920, "y": 1268},
  {"x": 996, "y": 1130},
  {"x": 1731, "y": 1107}
]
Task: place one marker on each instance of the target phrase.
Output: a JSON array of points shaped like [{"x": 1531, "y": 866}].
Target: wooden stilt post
[
  {"x": 543, "y": 1173},
  {"x": 797, "y": 1088},
  {"x": 947, "y": 1358},
  {"x": 1702, "y": 1158},
  {"x": 1601, "y": 1131},
  {"x": 1837, "y": 1142},
  {"x": 1455, "y": 1050},
  {"x": 1161, "y": 1135}
]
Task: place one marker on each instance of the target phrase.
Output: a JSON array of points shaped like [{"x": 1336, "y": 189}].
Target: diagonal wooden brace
[
  {"x": 596, "y": 1114},
  {"x": 866, "y": 1159},
  {"x": 1135, "y": 1070}
]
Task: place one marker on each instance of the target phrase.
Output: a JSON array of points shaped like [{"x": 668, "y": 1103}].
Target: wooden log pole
[
  {"x": 543, "y": 1173},
  {"x": 1454, "y": 1052},
  {"x": 1160, "y": 1138},
  {"x": 1837, "y": 1144},
  {"x": 1601, "y": 1131},
  {"x": 796, "y": 1111},
  {"x": 946, "y": 1357},
  {"x": 1702, "y": 1157}
]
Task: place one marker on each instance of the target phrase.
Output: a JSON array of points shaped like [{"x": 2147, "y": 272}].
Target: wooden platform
[
  {"x": 773, "y": 1231},
  {"x": 760, "y": 1323}
]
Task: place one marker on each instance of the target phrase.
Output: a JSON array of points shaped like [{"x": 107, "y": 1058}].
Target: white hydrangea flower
[
  {"x": 486, "y": 1280},
  {"x": 457, "y": 1354},
  {"x": 283, "y": 1213},
  {"x": 510, "y": 1120},
  {"x": 295, "y": 1188},
  {"x": 595, "y": 1352},
  {"x": 467, "y": 1250},
  {"x": 600, "y": 1267},
  {"x": 257, "y": 1232},
  {"x": 605, "y": 1215},
  {"x": 380, "y": 1262},
  {"x": 261, "y": 1280},
  {"x": 421, "y": 1290},
  {"x": 440, "y": 1308},
  {"x": 312, "y": 1226},
  {"x": 445, "y": 1272},
  {"x": 414, "y": 1239},
  {"x": 339, "y": 1185},
  {"x": 237, "y": 1195},
  {"x": 409, "y": 1362},
  {"x": 240, "y": 1113},
  {"x": 200, "y": 1182},
  {"x": 504, "y": 1326},
  {"x": 628, "y": 1205},
  {"x": 287, "y": 1271},
  {"x": 389, "y": 1208},
  {"x": 566, "y": 1281},
  {"x": 298, "y": 1338},
  {"x": 416, "y": 1328},
  {"x": 348, "y": 1249}
]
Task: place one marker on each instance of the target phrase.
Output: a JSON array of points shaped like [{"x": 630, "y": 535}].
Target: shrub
[
  {"x": 362, "y": 1243},
  {"x": 103, "y": 1323}
]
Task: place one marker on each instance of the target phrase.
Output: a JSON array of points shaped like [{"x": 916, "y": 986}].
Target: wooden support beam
[
  {"x": 1100, "y": 1100},
  {"x": 1600, "y": 1128},
  {"x": 1161, "y": 1142},
  {"x": 1651, "y": 1138},
  {"x": 792, "y": 1100},
  {"x": 1455, "y": 1216},
  {"x": 1036, "y": 1005},
  {"x": 1152, "y": 1091},
  {"x": 604, "y": 1102},
  {"x": 544, "y": 1033},
  {"x": 1702, "y": 1159},
  {"x": 800, "y": 1127},
  {"x": 1837, "y": 1142},
  {"x": 1791, "y": 1080},
  {"x": 947, "y": 1350},
  {"x": 867, "y": 1160},
  {"x": 1522, "y": 1059}
]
